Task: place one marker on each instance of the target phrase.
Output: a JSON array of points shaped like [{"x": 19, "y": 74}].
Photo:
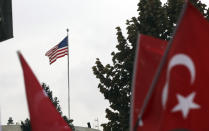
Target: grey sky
[{"x": 38, "y": 26}]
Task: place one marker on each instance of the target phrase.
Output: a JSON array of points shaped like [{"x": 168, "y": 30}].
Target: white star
[{"x": 185, "y": 104}]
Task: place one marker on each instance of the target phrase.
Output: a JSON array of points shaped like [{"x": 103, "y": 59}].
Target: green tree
[
  {"x": 155, "y": 19},
  {"x": 26, "y": 126},
  {"x": 54, "y": 100},
  {"x": 69, "y": 122},
  {"x": 10, "y": 121}
]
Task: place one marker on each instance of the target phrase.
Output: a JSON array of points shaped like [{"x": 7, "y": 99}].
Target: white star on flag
[{"x": 185, "y": 104}]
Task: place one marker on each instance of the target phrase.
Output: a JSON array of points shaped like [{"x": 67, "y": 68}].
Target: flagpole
[{"x": 68, "y": 75}]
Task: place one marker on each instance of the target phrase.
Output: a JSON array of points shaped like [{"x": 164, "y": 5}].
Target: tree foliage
[
  {"x": 154, "y": 19},
  {"x": 26, "y": 126},
  {"x": 10, "y": 121},
  {"x": 54, "y": 100}
]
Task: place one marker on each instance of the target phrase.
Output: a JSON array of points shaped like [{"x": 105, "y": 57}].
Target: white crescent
[{"x": 179, "y": 59}]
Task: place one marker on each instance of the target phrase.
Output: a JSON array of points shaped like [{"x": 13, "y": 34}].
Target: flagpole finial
[{"x": 67, "y": 31}]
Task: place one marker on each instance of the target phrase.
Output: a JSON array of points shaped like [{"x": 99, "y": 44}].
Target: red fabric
[
  {"x": 186, "y": 75},
  {"x": 43, "y": 114},
  {"x": 150, "y": 51}
]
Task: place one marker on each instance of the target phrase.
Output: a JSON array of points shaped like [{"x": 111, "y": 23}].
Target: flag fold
[{"x": 148, "y": 56}]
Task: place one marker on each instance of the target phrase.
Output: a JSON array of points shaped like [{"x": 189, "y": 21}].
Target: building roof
[{"x": 18, "y": 128}]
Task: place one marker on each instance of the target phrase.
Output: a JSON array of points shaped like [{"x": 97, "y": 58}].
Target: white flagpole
[{"x": 68, "y": 76}]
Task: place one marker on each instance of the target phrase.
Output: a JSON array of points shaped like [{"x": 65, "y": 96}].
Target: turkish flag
[
  {"x": 43, "y": 114},
  {"x": 148, "y": 56},
  {"x": 180, "y": 97}
]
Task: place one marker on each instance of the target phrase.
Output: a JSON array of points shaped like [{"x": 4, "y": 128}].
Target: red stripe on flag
[
  {"x": 58, "y": 56},
  {"x": 51, "y": 50},
  {"x": 58, "y": 51}
]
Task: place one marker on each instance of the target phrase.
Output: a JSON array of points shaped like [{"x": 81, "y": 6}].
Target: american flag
[{"x": 58, "y": 51}]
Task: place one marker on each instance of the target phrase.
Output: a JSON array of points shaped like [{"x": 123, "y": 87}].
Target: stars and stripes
[{"x": 58, "y": 51}]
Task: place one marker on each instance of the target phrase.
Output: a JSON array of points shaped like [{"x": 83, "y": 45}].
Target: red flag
[
  {"x": 149, "y": 53},
  {"x": 43, "y": 114},
  {"x": 180, "y": 99}
]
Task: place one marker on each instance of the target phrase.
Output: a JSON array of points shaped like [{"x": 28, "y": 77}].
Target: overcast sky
[{"x": 41, "y": 24}]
